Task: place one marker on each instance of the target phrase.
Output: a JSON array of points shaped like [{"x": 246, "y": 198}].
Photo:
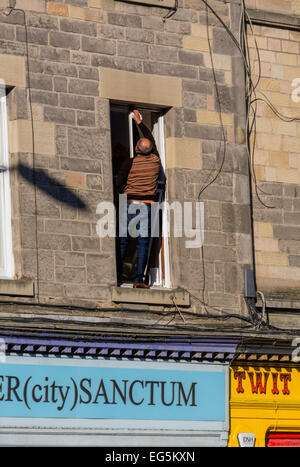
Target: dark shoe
[{"x": 140, "y": 285}]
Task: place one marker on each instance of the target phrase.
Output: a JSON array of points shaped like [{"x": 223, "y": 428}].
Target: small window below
[{"x": 122, "y": 141}]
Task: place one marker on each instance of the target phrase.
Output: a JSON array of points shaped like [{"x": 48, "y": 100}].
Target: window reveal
[
  {"x": 122, "y": 140},
  {"x": 6, "y": 254}
]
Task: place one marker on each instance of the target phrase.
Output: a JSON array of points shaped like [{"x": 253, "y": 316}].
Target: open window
[
  {"x": 122, "y": 138},
  {"x": 6, "y": 254}
]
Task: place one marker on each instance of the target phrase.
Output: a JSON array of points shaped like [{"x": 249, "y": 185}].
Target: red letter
[
  {"x": 239, "y": 375},
  {"x": 262, "y": 388},
  {"x": 275, "y": 388},
  {"x": 285, "y": 377}
]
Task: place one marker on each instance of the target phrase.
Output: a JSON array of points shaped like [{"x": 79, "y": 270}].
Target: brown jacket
[{"x": 138, "y": 176}]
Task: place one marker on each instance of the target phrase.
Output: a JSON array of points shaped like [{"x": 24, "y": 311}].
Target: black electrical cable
[
  {"x": 251, "y": 128},
  {"x": 223, "y": 140},
  {"x": 252, "y": 89},
  {"x": 227, "y": 29},
  {"x": 265, "y": 99},
  {"x": 219, "y": 110},
  {"x": 282, "y": 117},
  {"x": 129, "y": 326},
  {"x": 251, "y": 86},
  {"x": 220, "y": 316},
  {"x": 171, "y": 12},
  {"x": 127, "y": 309}
]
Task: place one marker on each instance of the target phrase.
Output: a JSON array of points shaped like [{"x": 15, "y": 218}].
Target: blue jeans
[{"x": 137, "y": 224}]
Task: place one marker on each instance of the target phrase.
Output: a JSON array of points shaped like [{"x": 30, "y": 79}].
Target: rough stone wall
[
  {"x": 69, "y": 43},
  {"x": 276, "y": 157}
]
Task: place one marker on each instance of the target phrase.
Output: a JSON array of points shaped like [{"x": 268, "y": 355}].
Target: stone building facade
[
  {"x": 81, "y": 56},
  {"x": 276, "y": 157},
  {"x": 68, "y": 68}
]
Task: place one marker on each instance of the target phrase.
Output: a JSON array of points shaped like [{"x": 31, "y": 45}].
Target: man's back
[{"x": 142, "y": 178}]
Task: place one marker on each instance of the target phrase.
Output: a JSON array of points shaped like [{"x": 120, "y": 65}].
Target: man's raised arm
[{"x": 145, "y": 130}]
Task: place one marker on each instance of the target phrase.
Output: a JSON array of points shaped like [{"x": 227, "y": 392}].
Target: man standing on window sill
[{"x": 137, "y": 179}]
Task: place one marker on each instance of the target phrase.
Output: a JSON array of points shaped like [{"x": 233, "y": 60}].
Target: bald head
[{"x": 144, "y": 146}]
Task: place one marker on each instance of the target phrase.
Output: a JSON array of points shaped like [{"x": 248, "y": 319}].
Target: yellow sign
[
  {"x": 264, "y": 399},
  {"x": 262, "y": 381},
  {"x": 159, "y": 3}
]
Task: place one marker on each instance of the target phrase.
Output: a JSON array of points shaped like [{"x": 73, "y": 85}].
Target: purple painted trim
[{"x": 212, "y": 348}]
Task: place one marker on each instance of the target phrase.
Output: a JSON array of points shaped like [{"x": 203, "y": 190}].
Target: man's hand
[{"x": 136, "y": 116}]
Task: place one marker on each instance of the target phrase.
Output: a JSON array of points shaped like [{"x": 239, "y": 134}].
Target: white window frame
[
  {"x": 159, "y": 136},
  {"x": 7, "y": 269},
  {"x": 158, "y": 133},
  {"x": 156, "y": 273}
]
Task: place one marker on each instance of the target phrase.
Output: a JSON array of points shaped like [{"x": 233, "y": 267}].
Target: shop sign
[
  {"x": 159, "y": 3},
  {"x": 276, "y": 382},
  {"x": 113, "y": 390}
]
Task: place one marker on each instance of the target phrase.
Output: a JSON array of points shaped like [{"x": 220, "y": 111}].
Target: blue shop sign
[{"x": 79, "y": 388}]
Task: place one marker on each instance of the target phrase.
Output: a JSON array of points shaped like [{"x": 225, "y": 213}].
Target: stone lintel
[
  {"x": 21, "y": 137},
  {"x": 12, "y": 70},
  {"x": 279, "y": 20},
  {"x": 127, "y": 86}
]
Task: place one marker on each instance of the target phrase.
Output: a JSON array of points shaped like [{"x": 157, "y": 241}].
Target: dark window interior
[{"x": 121, "y": 150}]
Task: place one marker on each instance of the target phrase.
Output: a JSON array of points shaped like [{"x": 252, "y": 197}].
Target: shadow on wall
[{"x": 49, "y": 185}]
